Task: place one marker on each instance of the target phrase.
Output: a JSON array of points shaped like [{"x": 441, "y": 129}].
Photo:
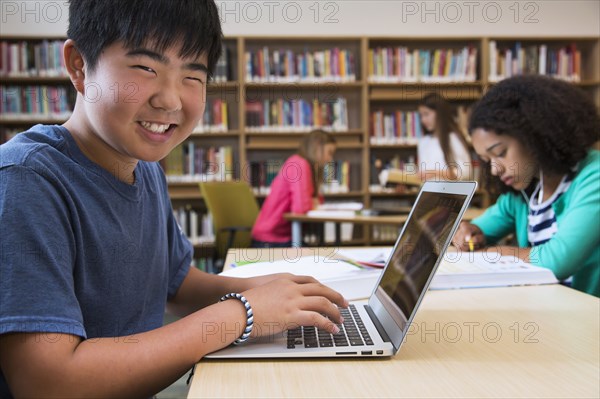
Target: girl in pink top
[{"x": 294, "y": 189}]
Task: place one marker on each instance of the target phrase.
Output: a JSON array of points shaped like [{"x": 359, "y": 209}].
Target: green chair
[{"x": 234, "y": 210}]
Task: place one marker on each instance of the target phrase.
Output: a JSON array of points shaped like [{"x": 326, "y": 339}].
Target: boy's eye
[
  {"x": 196, "y": 79},
  {"x": 144, "y": 68}
]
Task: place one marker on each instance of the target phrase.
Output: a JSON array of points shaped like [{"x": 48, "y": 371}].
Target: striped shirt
[{"x": 541, "y": 219}]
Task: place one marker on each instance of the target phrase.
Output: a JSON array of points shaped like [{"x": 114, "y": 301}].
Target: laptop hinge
[{"x": 377, "y": 324}]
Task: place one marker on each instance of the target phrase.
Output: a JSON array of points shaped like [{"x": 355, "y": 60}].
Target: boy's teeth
[{"x": 155, "y": 127}]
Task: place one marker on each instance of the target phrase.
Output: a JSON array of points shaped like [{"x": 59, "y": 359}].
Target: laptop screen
[{"x": 415, "y": 255}]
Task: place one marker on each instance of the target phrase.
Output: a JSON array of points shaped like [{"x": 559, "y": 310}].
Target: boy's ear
[{"x": 75, "y": 65}]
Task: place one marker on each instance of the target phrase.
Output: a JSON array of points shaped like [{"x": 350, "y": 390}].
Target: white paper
[
  {"x": 367, "y": 254},
  {"x": 351, "y": 281}
]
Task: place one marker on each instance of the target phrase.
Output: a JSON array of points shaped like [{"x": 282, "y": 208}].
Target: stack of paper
[{"x": 337, "y": 210}]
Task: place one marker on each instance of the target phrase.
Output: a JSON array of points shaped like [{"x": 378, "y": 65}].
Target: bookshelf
[
  {"x": 268, "y": 92},
  {"x": 34, "y": 86}
]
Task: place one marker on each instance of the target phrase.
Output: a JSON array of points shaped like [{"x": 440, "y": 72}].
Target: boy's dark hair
[
  {"x": 555, "y": 121},
  {"x": 96, "y": 24}
]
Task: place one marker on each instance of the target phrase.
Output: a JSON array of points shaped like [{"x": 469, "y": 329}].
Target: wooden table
[
  {"x": 298, "y": 218},
  {"x": 538, "y": 341}
]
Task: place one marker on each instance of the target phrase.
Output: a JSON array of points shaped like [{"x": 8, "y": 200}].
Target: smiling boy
[{"x": 91, "y": 254}]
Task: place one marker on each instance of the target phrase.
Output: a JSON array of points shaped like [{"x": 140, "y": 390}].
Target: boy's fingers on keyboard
[
  {"x": 322, "y": 306},
  {"x": 318, "y": 320},
  {"x": 318, "y": 289}
]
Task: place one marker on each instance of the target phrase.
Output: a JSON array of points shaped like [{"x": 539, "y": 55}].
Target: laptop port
[
  {"x": 366, "y": 352},
  {"x": 379, "y": 352}
]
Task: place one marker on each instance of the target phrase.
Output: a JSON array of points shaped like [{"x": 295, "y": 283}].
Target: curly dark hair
[{"x": 555, "y": 121}]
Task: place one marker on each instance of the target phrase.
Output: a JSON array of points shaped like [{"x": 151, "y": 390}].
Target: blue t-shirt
[{"x": 81, "y": 252}]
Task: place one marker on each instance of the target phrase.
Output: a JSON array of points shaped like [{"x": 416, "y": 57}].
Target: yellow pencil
[{"x": 471, "y": 245}]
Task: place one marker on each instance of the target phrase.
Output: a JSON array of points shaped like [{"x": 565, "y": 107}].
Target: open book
[
  {"x": 467, "y": 269},
  {"x": 487, "y": 269}
]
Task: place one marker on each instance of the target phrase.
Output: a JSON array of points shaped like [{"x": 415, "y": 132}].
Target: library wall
[
  {"x": 355, "y": 17},
  {"x": 361, "y": 84}
]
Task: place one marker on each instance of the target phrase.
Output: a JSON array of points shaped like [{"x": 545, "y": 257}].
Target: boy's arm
[
  {"x": 200, "y": 289},
  {"x": 60, "y": 365}
]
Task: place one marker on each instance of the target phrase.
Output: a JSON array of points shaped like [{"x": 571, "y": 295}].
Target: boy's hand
[
  {"x": 257, "y": 281},
  {"x": 291, "y": 301},
  {"x": 468, "y": 237}
]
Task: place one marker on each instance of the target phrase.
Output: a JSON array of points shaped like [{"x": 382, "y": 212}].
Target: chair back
[{"x": 234, "y": 210}]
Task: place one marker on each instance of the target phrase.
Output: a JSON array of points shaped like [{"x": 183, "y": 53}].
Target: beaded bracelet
[{"x": 249, "y": 316}]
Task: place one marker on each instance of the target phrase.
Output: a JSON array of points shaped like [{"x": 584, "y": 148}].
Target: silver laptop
[{"x": 377, "y": 327}]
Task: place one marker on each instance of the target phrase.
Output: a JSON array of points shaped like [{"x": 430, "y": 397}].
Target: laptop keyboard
[{"x": 352, "y": 333}]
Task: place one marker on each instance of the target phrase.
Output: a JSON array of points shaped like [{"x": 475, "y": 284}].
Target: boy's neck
[{"x": 97, "y": 151}]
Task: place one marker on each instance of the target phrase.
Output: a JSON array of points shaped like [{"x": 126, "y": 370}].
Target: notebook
[{"x": 377, "y": 327}]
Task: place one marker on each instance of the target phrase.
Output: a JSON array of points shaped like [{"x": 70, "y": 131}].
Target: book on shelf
[
  {"x": 401, "y": 64},
  {"x": 215, "y": 118},
  {"x": 31, "y": 101},
  {"x": 336, "y": 177},
  {"x": 296, "y": 115},
  {"x": 381, "y": 165},
  {"x": 223, "y": 68},
  {"x": 562, "y": 62},
  {"x": 286, "y": 66},
  {"x": 396, "y": 127},
  {"x": 190, "y": 162},
  {"x": 196, "y": 226},
  {"x": 32, "y": 59}
]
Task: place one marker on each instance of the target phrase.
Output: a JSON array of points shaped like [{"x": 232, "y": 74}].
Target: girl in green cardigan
[{"x": 535, "y": 135}]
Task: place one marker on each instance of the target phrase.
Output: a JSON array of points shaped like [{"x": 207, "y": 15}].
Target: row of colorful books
[
  {"x": 190, "y": 162},
  {"x": 37, "y": 59},
  {"x": 215, "y": 117},
  {"x": 401, "y": 64},
  {"x": 336, "y": 176},
  {"x": 563, "y": 62},
  {"x": 36, "y": 101},
  {"x": 334, "y": 64},
  {"x": 399, "y": 127},
  {"x": 296, "y": 115}
]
